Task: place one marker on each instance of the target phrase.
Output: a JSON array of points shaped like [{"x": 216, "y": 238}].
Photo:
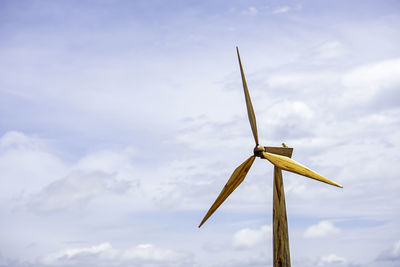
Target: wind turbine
[{"x": 280, "y": 157}]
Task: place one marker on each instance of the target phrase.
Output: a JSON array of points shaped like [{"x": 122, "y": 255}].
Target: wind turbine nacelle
[{"x": 283, "y": 151}]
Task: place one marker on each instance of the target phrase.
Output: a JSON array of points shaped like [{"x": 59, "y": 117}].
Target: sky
[{"x": 121, "y": 121}]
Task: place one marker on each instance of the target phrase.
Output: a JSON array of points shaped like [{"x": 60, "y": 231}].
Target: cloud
[
  {"x": 16, "y": 263},
  {"x": 149, "y": 253},
  {"x": 48, "y": 183},
  {"x": 331, "y": 260},
  {"x": 281, "y": 9},
  {"x": 321, "y": 229},
  {"x": 290, "y": 119},
  {"x": 75, "y": 255},
  {"x": 301, "y": 79},
  {"x": 251, "y": 11},
  {"x": 374, "y": 83},
  {"x": 392, "y": 254},
  {"x": 39, "y": 160},
  {"x": 18, "y": 140},
  {"x": 105, "y": 255},
  {"x": 167, "y": 196},
  {"x": 75, "y": 189},
  {"x": 329, "y": 50},
  {"x": 248, "y": 238}
]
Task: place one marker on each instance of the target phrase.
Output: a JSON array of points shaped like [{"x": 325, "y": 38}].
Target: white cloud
[
  {"x": 321, "y": 229},
  {"x": 282, "y": 9},
  {"x": 329, "y": 50},
  {"x": 108, "y": 160},
  {"x": 150, "y": 253},
  {"x": 248, "y": 238},
  {"x": 105, "y": 255},
  {"x": 167, "y": 196},
  {"x": 15, "y": 139},
  {"x": 367, "y": 82},
  {"x": 252, "y": 11},
  {"x": 377, "y": 74},
  {"x": 301, "y": 79},
  {"x": 74, "y": 255},
  {"x": 291, "y": 109},
  {"x": 39, "y": 161},
  {"x": 332, "y": 260}
]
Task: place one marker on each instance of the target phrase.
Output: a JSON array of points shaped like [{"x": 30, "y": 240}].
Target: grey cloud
[
  {"x": 256, "y": 260},
  {"x": 387, "y": 98},
  {"x": 106, "y": 255},
  {"x": 392, "y": 254},
  {"x": 77, "y": 188},
  {"x": 9, "y": 262}
]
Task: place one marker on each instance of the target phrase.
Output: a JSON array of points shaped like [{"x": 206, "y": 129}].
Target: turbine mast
[{"x": 280, "y": 231}]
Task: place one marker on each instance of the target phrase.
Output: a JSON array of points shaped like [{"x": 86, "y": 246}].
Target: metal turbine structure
[{"x": 280, "y": 157}]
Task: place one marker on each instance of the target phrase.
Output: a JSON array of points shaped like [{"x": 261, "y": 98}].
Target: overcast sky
[{"x": 120, "y": 122}]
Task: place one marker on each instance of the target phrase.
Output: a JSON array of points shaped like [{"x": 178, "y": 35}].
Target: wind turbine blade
[
  {"x": 290, "y": 165},
  {"x": 250, "y": 111},
  {"x": 236, "y": 179}
]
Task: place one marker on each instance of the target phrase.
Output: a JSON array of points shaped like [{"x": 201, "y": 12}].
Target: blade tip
[
  {"x": 338, "y": 185},
  {"x": 202, "y": 222}
]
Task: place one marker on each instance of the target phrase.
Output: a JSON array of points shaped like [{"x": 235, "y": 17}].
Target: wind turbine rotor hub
[{"x": 258, "y": 150}]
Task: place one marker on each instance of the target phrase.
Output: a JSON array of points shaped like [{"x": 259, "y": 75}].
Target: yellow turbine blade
[
  {"x": 250, "y": 111},
  {"x": 236, "y": 179},
  {"x": 290, "y": 165}
]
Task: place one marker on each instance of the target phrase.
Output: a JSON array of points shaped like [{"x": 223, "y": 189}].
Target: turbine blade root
[{"x": 290, "y": 165}]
